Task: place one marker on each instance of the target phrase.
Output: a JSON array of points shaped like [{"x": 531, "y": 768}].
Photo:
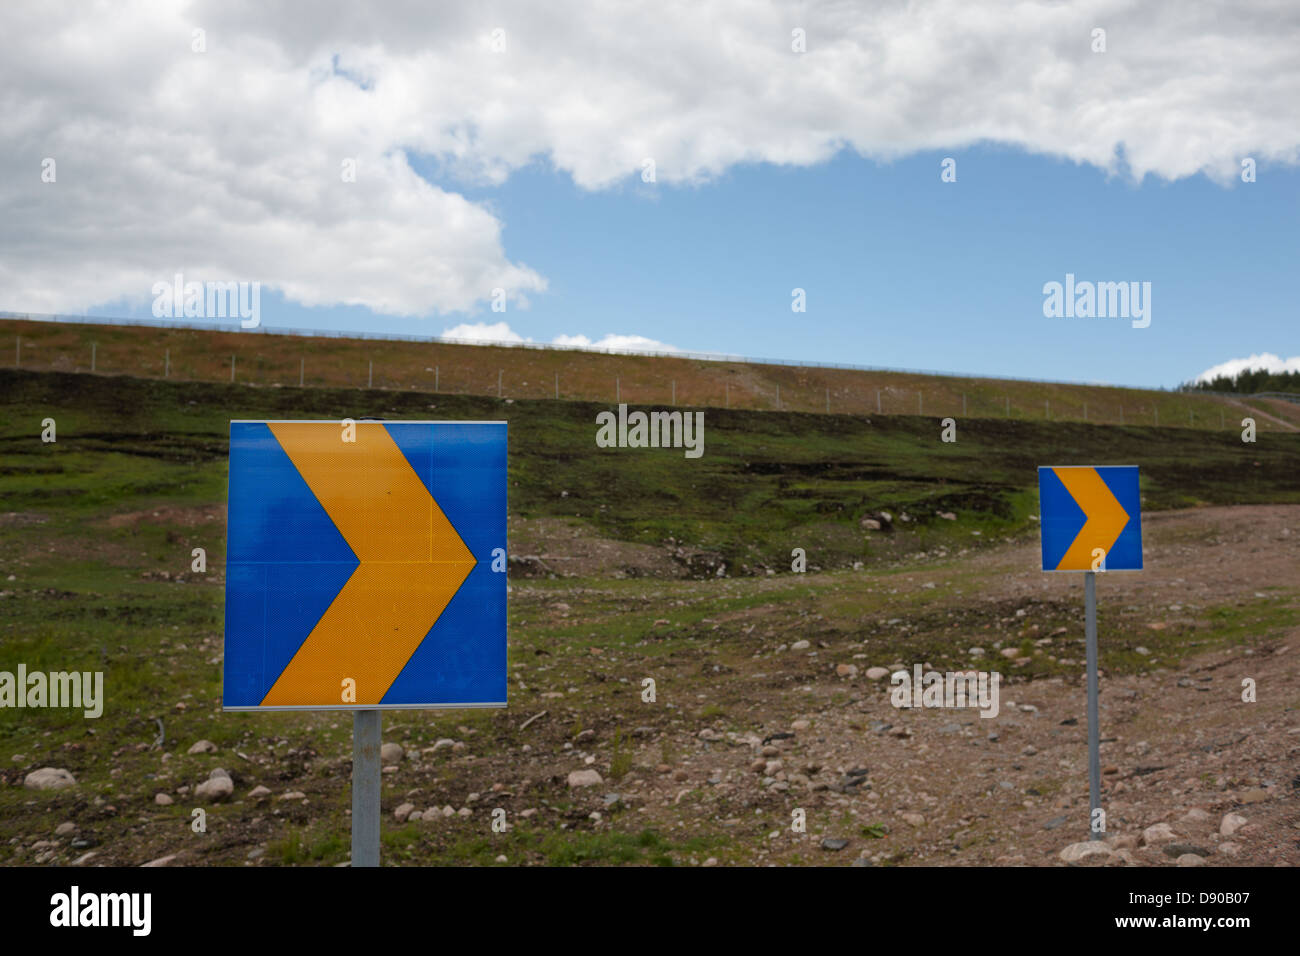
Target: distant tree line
[{"x": 1249, "y": 382}]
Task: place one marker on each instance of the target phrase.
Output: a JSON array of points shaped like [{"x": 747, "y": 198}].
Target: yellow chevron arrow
[
  {"x": 412, "y": 563},
  {"x": 1106, "y": 517}
]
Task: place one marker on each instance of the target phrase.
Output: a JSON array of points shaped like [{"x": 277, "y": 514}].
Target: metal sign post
[
  {"x": 1091, "y": 520},
  {"x": 1094, "y": 745},
  {"x": 366, "y": 733}
]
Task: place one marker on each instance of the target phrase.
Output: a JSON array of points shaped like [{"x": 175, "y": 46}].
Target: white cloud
[
  {"x": 226, "y": 164},
  {"x": 622, "y": 343},
  {"x": 500, "y": 333},
  {"x": 1266, "y": 361}
]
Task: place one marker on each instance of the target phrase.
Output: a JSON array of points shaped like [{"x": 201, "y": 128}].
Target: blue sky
[
  {"x": 384, "y": 168},
  {"x": 899, "y": 268}
]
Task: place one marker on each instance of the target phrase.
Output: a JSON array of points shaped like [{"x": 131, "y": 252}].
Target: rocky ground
[{"x": 771, "y": 706}]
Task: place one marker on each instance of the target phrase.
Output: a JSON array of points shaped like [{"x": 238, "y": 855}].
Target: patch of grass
[
  {"x": 295, "y": 848},
  {"x": 622, "y": 760},
  {"x": 647, "y": 846}
]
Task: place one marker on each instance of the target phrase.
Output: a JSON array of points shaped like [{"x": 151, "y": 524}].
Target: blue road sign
[
  {"x": 366, "y": 566},
  {"x": 1091, "y": 518}
]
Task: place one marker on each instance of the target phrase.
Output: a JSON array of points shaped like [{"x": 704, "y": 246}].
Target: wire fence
[
  {"x": 261, "y": 358},
  {"x": 443, "y": 340}
]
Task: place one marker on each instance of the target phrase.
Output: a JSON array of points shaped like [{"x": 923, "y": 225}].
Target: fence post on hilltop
[
  {"x": 1085, "y": 411},
  {"x": 919, "y": 396},
  {"x": 370, "y": 377},
  {"x": 435, "y": 378},
  {"x": 828, "y": 401},
  {"x": 727, "y": 392},
  {"x": 500, "y": 372},
  {"x": 167, "y": 363},
  {"x": 878, "y": 411},
  {"x": 302, "y": 370},
  {"x": 618, "y": 391},
  {"x": 92, "y": 355},
  {"x": 963, "y": 404},
  {"x": 778, "y": 398},
  {"x": 674, "y": 391},
  {"x": 232, "y": 368},
  {"x": 1047, "y": 409},
  {"x": 18, "y": 351},
  {"x": 557, "y": 386}
]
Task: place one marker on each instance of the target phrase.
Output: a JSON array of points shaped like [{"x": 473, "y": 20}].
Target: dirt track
[{"x": 1181, "y": 747}]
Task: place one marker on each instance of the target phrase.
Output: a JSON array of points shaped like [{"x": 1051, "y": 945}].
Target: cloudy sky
[{"x": 507, "y": 146}]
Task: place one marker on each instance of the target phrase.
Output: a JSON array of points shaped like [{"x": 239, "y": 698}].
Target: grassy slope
[
  {"x": 532, "y": 373},
  {"x": 764, "y": 481}
]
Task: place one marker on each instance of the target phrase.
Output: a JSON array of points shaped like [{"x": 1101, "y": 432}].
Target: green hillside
[{"x": 765, "y": 483}]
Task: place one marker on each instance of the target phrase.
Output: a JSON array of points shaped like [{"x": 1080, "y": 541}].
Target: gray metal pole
[
  {"x": 435, "y": 378},
  {"x": 778, "y": 398},
  {"x": 232, "y": 368},
  {"x": 727, "y": 390},
  {"x": 366, "y": 730},
  {"x": 302, "y": 370},
  {"x": 877, "y": 401},
  {"x": 919, "y": 396},
  {"x": 167, "y": 363},
  {"x": 618, "y": 390},
  {"x": 557, "y": 386},
  {"x": 92, "y": 356},
  {"x": 1094, "y": 747},
  {"x": 370, "y": 381}
]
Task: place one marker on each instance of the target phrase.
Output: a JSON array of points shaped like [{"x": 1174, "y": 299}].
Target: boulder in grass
[
  {"x": 1158, "y": 834},
  {"x": 49, "y": 778},
  {"x": 216, "y": 788},
  {"x": 584, "y": 778},
  {"x": 1076, "y": 852}
]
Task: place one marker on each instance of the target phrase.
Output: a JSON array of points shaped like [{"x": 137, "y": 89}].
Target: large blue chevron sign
[{"x": 365, "y": 565}]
